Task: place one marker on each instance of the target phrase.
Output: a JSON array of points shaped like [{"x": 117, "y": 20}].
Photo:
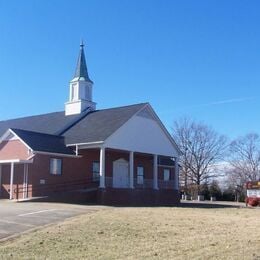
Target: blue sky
[{"x": 187, "y": 58}]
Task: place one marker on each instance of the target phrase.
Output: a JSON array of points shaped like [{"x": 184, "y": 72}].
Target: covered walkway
[{"x": 9, "y": 186}]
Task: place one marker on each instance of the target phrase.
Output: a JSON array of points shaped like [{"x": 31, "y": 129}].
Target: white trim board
[
  {"x": 18, "y": 138},
  {"x": 15, "y": 161},
  {"x": 57, "y": 154}
]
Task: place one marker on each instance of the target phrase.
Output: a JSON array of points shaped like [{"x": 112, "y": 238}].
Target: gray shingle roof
[
  {"x": 51, "y": 123},
  {"x": 44, "y": 142},
  {"x": 92, "y": 127},
  {"x": 99, "y": 125}
]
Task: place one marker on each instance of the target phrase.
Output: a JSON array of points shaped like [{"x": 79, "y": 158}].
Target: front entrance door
[{"x": 120, "y": 174}]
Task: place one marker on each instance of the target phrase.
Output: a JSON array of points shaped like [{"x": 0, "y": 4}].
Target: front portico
[
  {"x": 128, "y": 177},
  {"x": 124, "y": 169}
]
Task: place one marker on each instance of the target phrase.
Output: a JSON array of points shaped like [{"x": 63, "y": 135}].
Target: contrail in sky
[
  {"x": 214, "y": 103},
  {"x": 225, "y": 101}
]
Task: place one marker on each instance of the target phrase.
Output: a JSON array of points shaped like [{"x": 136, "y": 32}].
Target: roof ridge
[{"x": 144, "y": 103}]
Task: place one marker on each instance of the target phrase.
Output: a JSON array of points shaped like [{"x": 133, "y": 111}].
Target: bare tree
[
  {"x": 202, "y": 148},
  {"x": 245, "y": 159}
]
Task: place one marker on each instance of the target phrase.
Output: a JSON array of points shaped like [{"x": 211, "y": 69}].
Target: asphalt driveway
[{"x": 16, "y": 218}]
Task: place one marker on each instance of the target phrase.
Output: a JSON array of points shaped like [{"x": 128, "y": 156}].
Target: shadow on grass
[{"x": 207, "y": 205}]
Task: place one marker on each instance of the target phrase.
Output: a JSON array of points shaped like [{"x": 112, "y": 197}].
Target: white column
[
  {"x": 155, "y": 171},
  {"x": 176, "y": 174},
  {"x": 131, "y": 169},
  {"x": 11, "y": 181},
  {"x": 0, "y": 179},
  {"x": 25, "y": 181},
  {"x": 102, "y": 167}
]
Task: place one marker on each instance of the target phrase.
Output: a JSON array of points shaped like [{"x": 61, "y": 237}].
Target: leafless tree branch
[{"x": 202, "y": 148}]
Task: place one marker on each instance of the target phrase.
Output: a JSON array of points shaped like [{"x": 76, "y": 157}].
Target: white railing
[{"x": 147, "y": 184}]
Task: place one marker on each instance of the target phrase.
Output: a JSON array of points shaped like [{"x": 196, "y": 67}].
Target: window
[
  {"x": 140, "y": 175},
  {"x": 55, "y": 166},
  {"x": 166, "y": 174},
  {"x": 95, "y": 171}
]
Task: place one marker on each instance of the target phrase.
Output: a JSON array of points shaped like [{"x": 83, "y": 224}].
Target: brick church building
[{"x": 121, "y": 155}]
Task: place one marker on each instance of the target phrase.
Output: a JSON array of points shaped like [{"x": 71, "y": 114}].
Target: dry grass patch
[{"x": 145, "y": 233}]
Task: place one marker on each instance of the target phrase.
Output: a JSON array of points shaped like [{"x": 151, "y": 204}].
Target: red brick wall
[
  {"x": 138, "y": 197},
  {"x": 72, "y": 169},
  {"x": 13, "y": 149}
]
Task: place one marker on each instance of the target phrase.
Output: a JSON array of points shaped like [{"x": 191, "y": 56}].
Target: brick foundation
[{"x": 138, "y": 197}]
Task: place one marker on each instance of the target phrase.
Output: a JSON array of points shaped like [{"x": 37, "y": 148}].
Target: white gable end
[{"x": 142, "y": 134}]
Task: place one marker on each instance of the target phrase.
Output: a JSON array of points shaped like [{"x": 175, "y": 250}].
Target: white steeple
[{"x": 80, "y": 98}]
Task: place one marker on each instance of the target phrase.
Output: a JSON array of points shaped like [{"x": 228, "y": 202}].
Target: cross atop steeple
[
  {"x": 81, "y": 71},
  {"x": 81, "y": 43}
]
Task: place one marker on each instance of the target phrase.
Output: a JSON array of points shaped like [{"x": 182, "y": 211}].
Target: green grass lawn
[{"x": 145, "y": 233}]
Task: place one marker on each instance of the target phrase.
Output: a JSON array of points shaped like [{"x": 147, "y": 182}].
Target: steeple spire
[
  {"x": 80, "y": 98},
  {"x": 81, "y": 69}
]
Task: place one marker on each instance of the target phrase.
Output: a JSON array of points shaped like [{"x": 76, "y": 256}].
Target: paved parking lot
[{"x": 16, "y": 217}]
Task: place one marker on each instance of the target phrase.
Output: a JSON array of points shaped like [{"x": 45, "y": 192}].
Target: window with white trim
[
  {"x": 166, "y": 174},
  {"x": 55, "y": 166},
  {"x": 140, "y": 175},
  {"x": 95, "y": 170}
]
